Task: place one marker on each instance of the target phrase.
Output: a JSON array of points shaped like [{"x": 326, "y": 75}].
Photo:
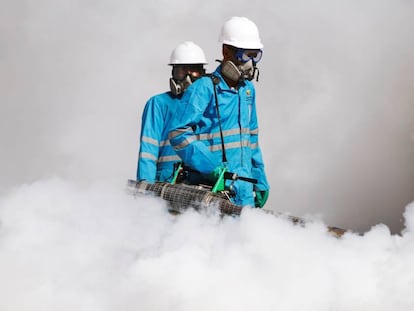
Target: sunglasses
[{"x": 180, "y": 72}]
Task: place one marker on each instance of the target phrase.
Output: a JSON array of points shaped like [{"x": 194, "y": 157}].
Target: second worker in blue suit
[
  {"x": 216, "y": 123},
  {"x": 156, "y": 156}
]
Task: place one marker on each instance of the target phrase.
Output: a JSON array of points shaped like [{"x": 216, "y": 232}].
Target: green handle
[
  {"x": 220, "y": 183},
  {"x": 177, "y": 171}
]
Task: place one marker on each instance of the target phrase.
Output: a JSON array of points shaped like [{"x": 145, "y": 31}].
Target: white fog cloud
[{"x": 65, "y": 246}]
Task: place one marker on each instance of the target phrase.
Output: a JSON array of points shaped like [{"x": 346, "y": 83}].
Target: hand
[{"x": 261, "y": 198}]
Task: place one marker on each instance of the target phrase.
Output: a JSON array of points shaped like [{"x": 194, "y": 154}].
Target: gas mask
[
  {"x": 183, "y": 76},
  {"x": 179, "y": 86},
  {"x": 245, "y": 71}
]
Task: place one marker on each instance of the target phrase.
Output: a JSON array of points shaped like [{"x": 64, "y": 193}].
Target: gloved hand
[{"x": 261, "y": 198}]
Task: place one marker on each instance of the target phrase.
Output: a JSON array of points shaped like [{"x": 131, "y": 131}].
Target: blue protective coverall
[
  {"x": 195, "y": 133},
  {"x": 156, "y": 155}
]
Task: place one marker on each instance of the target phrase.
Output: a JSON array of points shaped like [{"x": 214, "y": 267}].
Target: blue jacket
[
  {"x": 195, "y": 133},
  {"x": 156, "y": 155}
]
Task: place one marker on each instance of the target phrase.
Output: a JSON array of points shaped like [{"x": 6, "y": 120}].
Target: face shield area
[{"x": 184, "y": 75}]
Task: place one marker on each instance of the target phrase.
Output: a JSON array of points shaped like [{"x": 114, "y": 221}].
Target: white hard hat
[
  {"x": 187, "y": 53},
  {"x": 240, "y": 32}
]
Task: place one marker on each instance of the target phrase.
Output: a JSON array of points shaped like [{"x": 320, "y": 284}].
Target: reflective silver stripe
[
  {"x": 210, "y": 136},
  {"x": 245, "y": 131},
  {"x": 169, "y": 158},
  {"x": 254, "y": 132},
  {"x": 150, "y": 140},
  {"x": 155, "y": 142},
  {"x": 179, "y": 131},
  {"x": 185, "y": 143},
  {"x": 164, "y": 143},
  {"x": 236, "y": 144},
  {"x": 246, "y": 143},
  {"x": 146, "y": 155},
  {"x": 207, "y": 136},
  {"x": 225, "y": 133},
  {"x": 214, "y": 147}
]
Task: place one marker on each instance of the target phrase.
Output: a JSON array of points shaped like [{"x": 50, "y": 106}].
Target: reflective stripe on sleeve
[
  {"x": 169, "y": 158},
  {"x": 164, "y": 143},
  {"x": 185, "y": 143},
  {"x": 179, "y": 132},
  {"x": 146, "y": 155},
  {"x": 150, "y": 140}
]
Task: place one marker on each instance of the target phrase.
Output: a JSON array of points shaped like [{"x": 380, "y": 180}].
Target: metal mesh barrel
[{"x": 181, "y": 196}]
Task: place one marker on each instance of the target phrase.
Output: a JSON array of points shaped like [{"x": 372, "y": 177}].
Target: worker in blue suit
[
  {"x": 156, "y": 156},
  {"x": 216, "y": 125}
]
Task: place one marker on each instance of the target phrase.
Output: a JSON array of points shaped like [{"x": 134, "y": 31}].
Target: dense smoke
[{"x": 95, "y": 248}]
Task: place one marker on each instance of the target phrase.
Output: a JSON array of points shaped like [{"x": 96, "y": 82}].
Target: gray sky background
[{"x": 335, "y": 96}]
